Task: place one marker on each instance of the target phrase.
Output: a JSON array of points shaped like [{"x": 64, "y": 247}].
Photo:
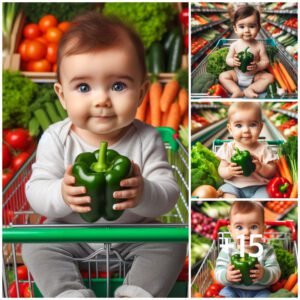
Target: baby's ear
[
  {"x": 144, "y": 89},
  {"x": 59, "y": 92}
]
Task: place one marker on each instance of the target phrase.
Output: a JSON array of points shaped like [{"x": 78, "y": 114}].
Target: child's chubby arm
[
  {"x": 228, "y": 170},
  {"x": 231, "y": 58},
  {"x": 265, "y": 170}
]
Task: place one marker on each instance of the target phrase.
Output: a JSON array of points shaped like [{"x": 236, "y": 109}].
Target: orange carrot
[
  {"x": 283, "y": 78},
  {"x": 164, "y": 118},
  {"x": 286, "y": 169},
  {"x": 174, "y": 116},
  {"x": 185, "y": 121},
  {"x": 295, "y": 289},
  {"x": 148, "y": 115},
  {"x": 169, "y": 94},
  {"x": 280, "y": 168},
  {"x": 278, "y": 78},
  {"x": 292, "y": 280},
  {"x": 294, "y": 192},
  {"x": 183, "y": 100},
  {"x": 287, "y": 76},
  {"x": 141, "y": 111},
  {"x": 154, "y": 97}
]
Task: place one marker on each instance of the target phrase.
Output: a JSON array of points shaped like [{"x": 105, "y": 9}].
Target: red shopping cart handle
[{"x": 287, "y": 223}]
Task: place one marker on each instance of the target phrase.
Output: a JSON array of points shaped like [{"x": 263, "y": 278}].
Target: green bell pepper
[
  {"x": 272, "y": 91},
  {"x": 245, "y": 58},
  {"x": 101, "y": 172},
  {"x": 244, "y": 264},
  {"x": 244, "y": 159}
]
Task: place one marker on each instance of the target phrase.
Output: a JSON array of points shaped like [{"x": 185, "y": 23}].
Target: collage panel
[
  {"x": 244, "y": 51},
  {"x": 95, "y": 161},
  {"x": 244, "y": 249}
]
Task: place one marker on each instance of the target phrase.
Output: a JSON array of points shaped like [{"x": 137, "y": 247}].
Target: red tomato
[
  {"x": 12, "y": 291},
  {"x": 22, "y": 272},
  {"x": 22, "y": 50},
  {"x": 19, "y": 160},
  {"x": 54, "y": 68},
  {"x": 46, "y": 22},
  {"x": 6, "y": 157},
  {"x": 8, "y": 216},
  {"x": 42, "y": 39},
  {"x": 52, "y": 53},
  {"x": 26, "y": 292},
  {"x": 64, "y": 26},
  {"x": 31, "y": 31},
  {"x": 18, "y": 138},
  {"x": 7, "y": 175},
  {"x": 42, "y": 65},
  {"x": 35, "y": 50},
  {"x": 53, "y": 35}
]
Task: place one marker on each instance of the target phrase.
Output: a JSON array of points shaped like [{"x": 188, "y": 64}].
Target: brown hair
[
  {"x": 91, "y": 32},
  {"x": 245, "y": 207},
  {"x": 244, "y": 12},
  {"x": 236, "y": 106}
]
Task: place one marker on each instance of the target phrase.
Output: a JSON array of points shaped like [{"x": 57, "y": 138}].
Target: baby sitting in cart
[
  {"x": 248, "y": 57},
  {"x": 102, "y": 79},
  {"x": 244, "y": 275},
  {"x": 246, "y": 164}
]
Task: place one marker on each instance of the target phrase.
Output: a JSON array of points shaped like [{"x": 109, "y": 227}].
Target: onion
[{"x": 205, "y": 191}]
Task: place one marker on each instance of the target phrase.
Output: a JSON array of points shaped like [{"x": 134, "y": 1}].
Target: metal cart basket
[
  {"x": 21, "y": 225},
  {"x": 203, "y": 279},
  {"x": 201, "y": 68}
]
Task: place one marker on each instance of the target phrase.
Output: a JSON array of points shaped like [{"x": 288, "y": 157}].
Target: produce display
[{"x": 210, "y": 29}]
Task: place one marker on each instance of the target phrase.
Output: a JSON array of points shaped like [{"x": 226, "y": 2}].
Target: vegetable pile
[
  {"x": 202, "y": 224},
  {"x": 199, "y": 248},
  {"x": 204, "y": 167}
]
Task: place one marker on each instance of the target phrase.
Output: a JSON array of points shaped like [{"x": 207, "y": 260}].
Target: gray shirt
[{"x": 58, "y": 148}]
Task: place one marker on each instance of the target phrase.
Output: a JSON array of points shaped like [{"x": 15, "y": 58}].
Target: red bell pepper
[
  {"x": 213, "y": 290},
  {"x": 279, "y": 187},
  {"x": 217, "y": 90}
]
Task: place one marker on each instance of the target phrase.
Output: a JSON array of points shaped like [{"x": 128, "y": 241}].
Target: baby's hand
[
  {"x": 72, "y": 195},
  {"x": 258, "y": 164},
  {"x": 258, "y": 273},
  {"x": 135, "y": 187},
  {"x": 236, "y": 61},
  {"x": 235, "y": 170},
  {"x": 252, "y": 66},
  {"x": 233, "y": 275}
]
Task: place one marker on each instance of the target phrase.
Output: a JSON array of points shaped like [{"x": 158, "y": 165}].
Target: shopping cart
[
  {"x": 203, "y": 278},
  {"x": 274, "y": 145},
  {"x": 22, "y": 225},
  {"x": 201, "y": 68}
]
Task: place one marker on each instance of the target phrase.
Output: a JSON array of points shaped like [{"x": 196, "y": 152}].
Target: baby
[
  {"x": 246, "y": 24},
  {"x": 247, "y": 218},
  {"x": 102, "y": 79},
  {"x": 245, "y": 124}
]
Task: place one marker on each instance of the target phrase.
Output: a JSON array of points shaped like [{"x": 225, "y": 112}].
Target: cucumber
[
  {"x": 42, "y": 117},
  {"x": 175, "y": 54},
  {"x": 169, "y": 38},
  {"x": 52, "y": 113},
  {"x": 62, "y": 112},
  {"x": 34, "y": 127},
  {"x": 157, "y": 59}
]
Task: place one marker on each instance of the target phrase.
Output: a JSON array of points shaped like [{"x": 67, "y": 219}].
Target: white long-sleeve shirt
[{"x": 58, "y": 148}]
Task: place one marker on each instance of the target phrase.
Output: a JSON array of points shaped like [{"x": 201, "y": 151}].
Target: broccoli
[
  {"x": 286, "y": 262},
  {"x": 150, "y": 20},
  {"x": 216, "y": 63},
  {"x": 17, "y": 92}
]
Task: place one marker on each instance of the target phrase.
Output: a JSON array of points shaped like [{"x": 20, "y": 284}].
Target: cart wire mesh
[
  {"x": 201, "y": 68},
  {"x": 203, "y": 279},
  {"x": 22, "y": 225}
]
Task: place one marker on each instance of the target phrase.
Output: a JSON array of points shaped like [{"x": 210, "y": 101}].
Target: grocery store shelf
[
  {"x": 287, "y": 29},
  {"x": 277, "y": 135},
  {"x": 204, "y": 134},
  {"x": 288, "y": 113},
  {"x": 282, "y": 12},
  {"x": 207, "y": 26},
  {"x": 213, "y": 10},
  {"x": 210, "y": 44},
  {"x": 289, "y": 57}
]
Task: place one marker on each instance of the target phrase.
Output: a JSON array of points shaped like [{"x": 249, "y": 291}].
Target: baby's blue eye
[
  {"x": 238, "y": 125},
  {"x": 84, "y": 88},
  {"x": 118, "y": 86},
  {"x": 254, "y": 227},
  {"x": 253, "y": 125},
  {"x": 239, "y": 227}
]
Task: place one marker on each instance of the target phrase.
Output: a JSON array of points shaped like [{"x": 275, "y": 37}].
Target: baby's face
[
  {"x": 247, "y": 29},
  {"x": 245, "y": 126},
  {"x": 101, "y": 90},
  {"x": 246, "y": 224}
]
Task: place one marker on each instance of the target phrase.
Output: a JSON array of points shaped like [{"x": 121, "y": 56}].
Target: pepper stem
[
  {"x": 100, "y": 165},
  {"x": 283, "y": 187}
]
